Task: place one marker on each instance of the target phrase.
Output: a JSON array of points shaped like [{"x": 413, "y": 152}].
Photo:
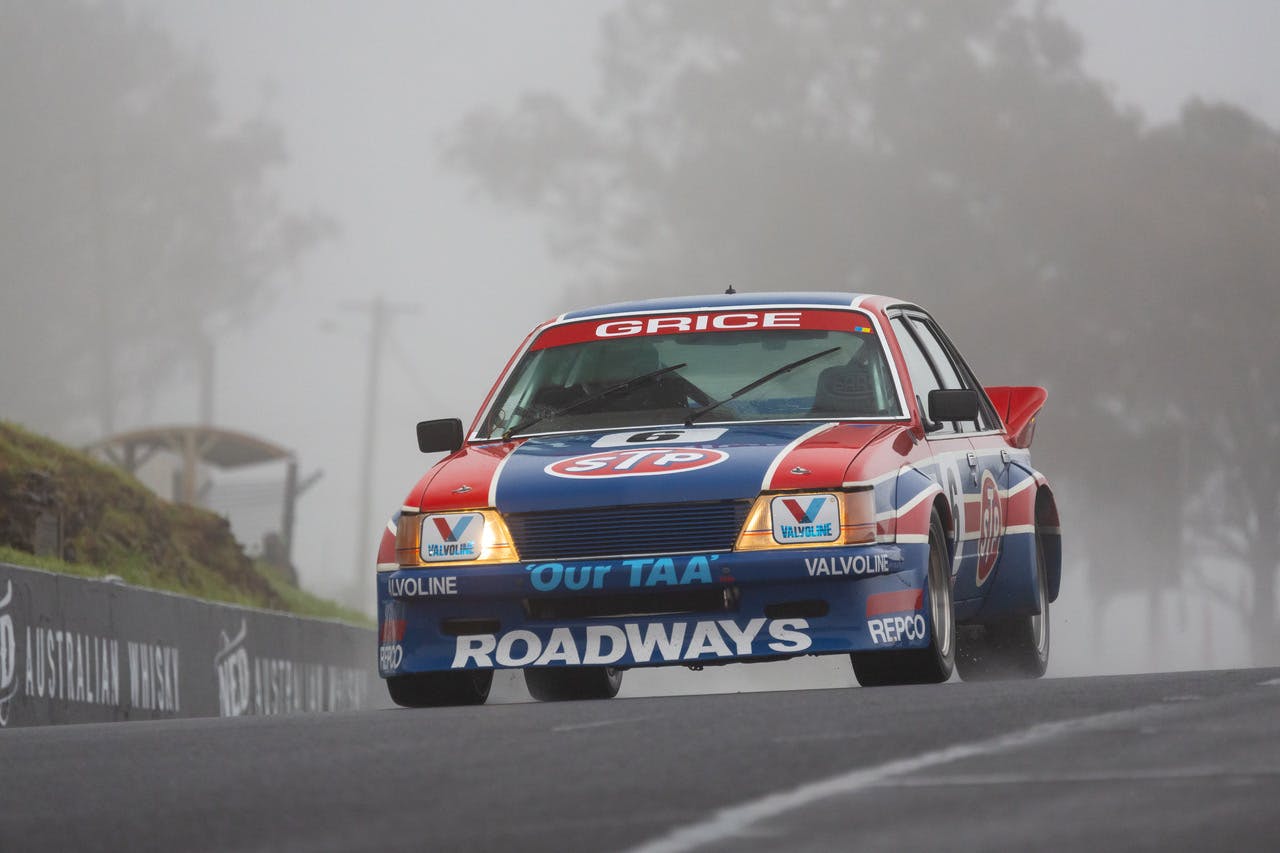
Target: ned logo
[
  {"x": 805, "y": 518},
  {"x": 8, "y": 655},
  {"x": 232, "y": 666}
]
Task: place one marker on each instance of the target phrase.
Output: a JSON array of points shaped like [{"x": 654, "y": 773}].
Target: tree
[
  {"x": 134, "y": 222},
  {"x": 957, "y": 154}
]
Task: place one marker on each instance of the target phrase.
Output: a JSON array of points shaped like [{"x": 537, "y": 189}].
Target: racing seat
[
  {"x": 845, "y": 390},
  {"x": 625, "y": 360}
]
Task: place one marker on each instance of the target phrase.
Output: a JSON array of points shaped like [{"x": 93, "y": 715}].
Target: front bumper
[{"x": 688, "y": 609}]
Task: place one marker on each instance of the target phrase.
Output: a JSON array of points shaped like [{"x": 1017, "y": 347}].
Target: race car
[{"x": 720, "y": 479}]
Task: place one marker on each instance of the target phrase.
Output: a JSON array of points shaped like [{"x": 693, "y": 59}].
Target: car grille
[{"x": 623, "y": 530}]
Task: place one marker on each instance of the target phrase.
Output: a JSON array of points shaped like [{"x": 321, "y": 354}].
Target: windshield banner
[{"x": 604, "y": 328}]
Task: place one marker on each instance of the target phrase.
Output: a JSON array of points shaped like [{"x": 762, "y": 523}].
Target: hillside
[{"x": 64, "y": 511}]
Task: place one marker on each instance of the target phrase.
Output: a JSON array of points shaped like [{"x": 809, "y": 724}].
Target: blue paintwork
[
  {"x": 525, "y": 486},
  {"x": 761, "y": 578}
]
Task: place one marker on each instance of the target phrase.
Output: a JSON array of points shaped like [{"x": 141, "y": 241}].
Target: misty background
[{"x": 201, "y": 205}]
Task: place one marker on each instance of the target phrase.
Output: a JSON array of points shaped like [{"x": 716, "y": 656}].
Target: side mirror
[
  {"x": 444, "y": 434},
  {"x": 957, "y": 404}
]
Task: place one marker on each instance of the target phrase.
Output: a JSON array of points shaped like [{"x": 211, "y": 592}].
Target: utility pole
[{"x": 381, "y": 313}]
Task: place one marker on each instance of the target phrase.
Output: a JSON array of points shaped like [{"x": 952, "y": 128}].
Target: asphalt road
[{"x": 1177, "y": 761}]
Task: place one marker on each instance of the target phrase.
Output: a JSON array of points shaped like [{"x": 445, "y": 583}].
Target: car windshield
[{"x": 843, "y": 375}]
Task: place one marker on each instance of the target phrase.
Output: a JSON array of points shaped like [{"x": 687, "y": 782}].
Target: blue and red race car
[{"x": 719, "y": 479}]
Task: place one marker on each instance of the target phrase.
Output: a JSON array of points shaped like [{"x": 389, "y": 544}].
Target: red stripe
[
  {"x": 720, "y": 320},
  {"x": 894, "y": 602}
]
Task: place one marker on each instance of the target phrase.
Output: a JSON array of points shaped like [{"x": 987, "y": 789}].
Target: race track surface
[{"x": 1187, "y": 761}]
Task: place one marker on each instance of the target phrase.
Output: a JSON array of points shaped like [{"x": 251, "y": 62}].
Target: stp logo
[
  {"x": 640, "y": 462},
  {"x": 992, "y": 527}
]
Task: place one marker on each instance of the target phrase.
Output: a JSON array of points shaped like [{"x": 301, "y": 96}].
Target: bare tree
[{"x": 134, "y": 221}]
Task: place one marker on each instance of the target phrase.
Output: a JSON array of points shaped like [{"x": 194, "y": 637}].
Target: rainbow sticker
[{"x": 866, "y": 330}]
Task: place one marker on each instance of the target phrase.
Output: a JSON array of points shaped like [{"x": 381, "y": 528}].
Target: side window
[
  {"x": 944, "y": 352},
  {"x": 923, "y": 379},
  {"x": 937, "y": 355}
]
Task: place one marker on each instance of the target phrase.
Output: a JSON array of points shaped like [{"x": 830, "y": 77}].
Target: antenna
[{"x": 729, "y": 291}]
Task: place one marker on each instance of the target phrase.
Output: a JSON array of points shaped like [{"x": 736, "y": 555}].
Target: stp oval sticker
[
  {"x": 637, "y": 462},
  {"x": 991, "y": 528}
]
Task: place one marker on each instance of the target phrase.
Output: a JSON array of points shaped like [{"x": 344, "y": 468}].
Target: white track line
[
  {"x": 736, "y": 820},
  {"x": 577, "y": 727}
]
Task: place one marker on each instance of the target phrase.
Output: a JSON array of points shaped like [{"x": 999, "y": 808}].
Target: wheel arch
[
  {"x": 943, "y": 509},
  {"x": 1049, "y": 529}
]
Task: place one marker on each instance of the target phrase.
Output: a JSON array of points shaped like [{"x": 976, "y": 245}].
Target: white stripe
[
  {"x": 858, "y": 300},
  {"x": 388, "y": 567},
  {"x": 777, "y": 460},
  {"x": 928, "y": 492},
  {"x": 391, "y": 527},
  {"x": 872, "y": 483},
  {"x": 1019, "y": 528},
  {"x": 493, "y": 483},
  {"x": 921, "y": 538},
  {"x": 880, "y": 419},
  {"x": 733, "y": 822},
  {"x": 412, "y": 510},
  {"x": 1021, "y": 487}
]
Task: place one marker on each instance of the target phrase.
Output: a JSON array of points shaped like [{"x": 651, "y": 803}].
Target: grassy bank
[{"x": 104, "y": 522}]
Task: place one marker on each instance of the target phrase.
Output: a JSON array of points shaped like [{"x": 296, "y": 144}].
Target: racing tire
[
  {"x": 1013, "y": 648},
  {"x": 562, "y": 684},
  {"x": 934, "y": 663},
  {"x": 438, "y": 689}
]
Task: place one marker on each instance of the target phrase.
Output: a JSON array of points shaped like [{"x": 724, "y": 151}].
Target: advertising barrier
[{"x": 76, "y": 650}]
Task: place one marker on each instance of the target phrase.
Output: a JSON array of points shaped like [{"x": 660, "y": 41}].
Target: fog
[{"x": 393, "y": 151}]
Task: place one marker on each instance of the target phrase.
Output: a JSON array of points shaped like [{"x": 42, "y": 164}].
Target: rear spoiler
[{"x": 1018, "y": 406}]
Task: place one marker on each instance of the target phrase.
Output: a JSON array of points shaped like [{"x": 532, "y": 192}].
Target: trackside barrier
[{"x": 75, "y": 650}]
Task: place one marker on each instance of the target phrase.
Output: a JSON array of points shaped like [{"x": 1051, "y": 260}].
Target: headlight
[
  {"x": 479, "y": 536},
  {"x": 800, "y": 519}
]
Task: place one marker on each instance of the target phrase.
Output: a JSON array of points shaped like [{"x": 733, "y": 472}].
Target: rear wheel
[
  {"x": 435, "y": 689},
  {"x": 1017, "y": 647},
  {"x": 558, "y": 684},
  {"x": 934, "y": 663}
]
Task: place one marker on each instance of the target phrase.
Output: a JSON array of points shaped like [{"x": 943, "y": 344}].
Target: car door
[
  {"x": 947, "y": 442},
  {"x": 984, "y": 470}
]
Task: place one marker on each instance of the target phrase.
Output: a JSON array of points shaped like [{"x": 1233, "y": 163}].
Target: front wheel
[
  {"x": 436, "y": 689},
  {"x": 559, "y": 684},
  {"x": 934, "y": 663},
  {"x": 1011, "y": 648}
]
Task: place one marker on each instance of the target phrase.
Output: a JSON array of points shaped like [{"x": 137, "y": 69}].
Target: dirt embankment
[{"x": 75, "y": 514}]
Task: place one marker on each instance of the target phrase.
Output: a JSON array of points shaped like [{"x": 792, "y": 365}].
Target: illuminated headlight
[
  {"x": 799, "y": 519},
  {"x": 479, "y": 536}
]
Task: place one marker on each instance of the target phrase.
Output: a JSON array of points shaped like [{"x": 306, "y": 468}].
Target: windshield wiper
[
  {"x": 786, "y": 368},
  {"x": 591, "y": 398}
]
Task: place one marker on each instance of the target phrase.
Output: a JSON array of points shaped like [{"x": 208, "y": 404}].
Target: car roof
[{"x": 814, "y": 299}]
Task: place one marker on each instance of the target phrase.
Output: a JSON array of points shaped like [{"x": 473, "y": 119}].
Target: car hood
[{"x": 702, "y": 463}]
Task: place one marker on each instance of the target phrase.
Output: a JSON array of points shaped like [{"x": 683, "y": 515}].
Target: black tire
[
  {"x": 561, "y": 684},
  {"x": 1012, "y": 648},
  {"x": 935, "y": 663},
  {"x": 436, "y": 689}
]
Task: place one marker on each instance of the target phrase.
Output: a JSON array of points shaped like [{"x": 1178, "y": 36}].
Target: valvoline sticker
[{"x": 636, "y": 462}]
